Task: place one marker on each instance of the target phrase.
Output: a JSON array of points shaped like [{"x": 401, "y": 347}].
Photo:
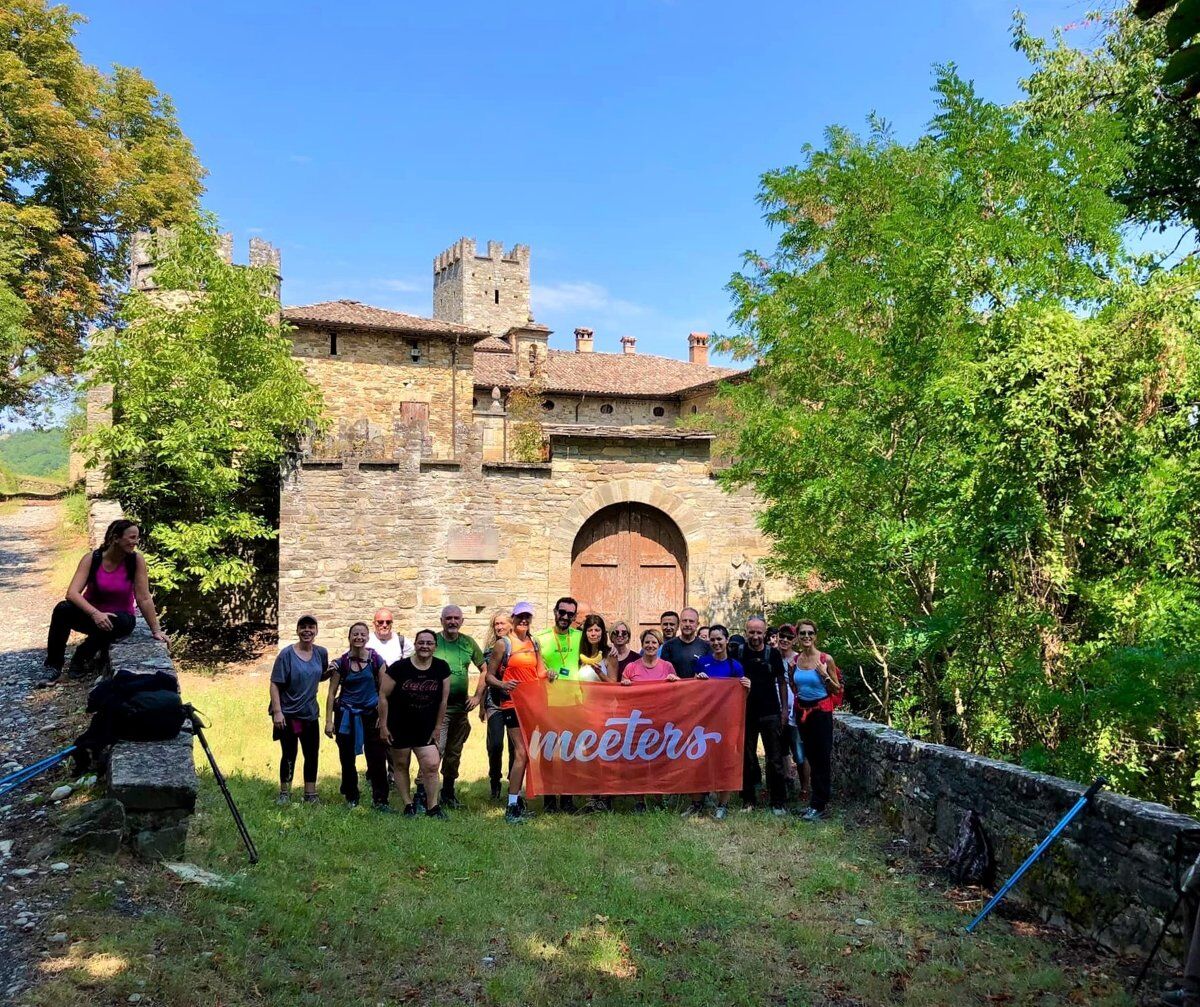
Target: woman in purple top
[{"x": 100, "y": 602}]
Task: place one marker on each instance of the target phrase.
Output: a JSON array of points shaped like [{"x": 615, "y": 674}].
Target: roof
[
  {"x": 627, "y": 375},
  {"x": 355, "y": 315},
  {"x": 493, "y": 344},
  {"x": 643, "y": 432}
]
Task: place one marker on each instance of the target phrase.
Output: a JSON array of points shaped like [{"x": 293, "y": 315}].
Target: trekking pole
[
  {"x": 198, "y": 731},
  {"x": 1170, "y": 917},
  {"x": 23, "y": 776},
  {"x": 1041, "y": 848}
]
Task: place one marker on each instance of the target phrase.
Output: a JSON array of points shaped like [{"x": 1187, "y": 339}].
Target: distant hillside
[{"x": 40, "y": 453}]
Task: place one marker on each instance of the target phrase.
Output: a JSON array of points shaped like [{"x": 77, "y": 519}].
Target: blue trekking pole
[
  {"x": 22, "y": 776},
  {"x": 1044, "y": 845}
]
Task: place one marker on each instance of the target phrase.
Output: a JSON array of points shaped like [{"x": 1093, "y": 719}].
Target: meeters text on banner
[{"x": 654, "y": 738}]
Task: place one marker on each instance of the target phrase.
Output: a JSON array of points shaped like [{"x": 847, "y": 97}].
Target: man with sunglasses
[
  {"x": 560, "y": 651},
  {"x": 392, "y": 647}
]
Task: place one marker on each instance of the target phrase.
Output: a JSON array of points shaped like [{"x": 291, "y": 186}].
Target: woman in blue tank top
[{"x": 815, "y": 682}]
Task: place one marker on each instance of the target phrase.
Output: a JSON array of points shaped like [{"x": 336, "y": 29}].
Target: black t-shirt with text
[
  {"x": 683, "y": 655},
  {"x": 417, "y": 692},
  {"x": 764, "y": 668}
]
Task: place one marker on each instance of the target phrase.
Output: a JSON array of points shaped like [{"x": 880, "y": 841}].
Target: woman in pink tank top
[{"x": 109, "y": 585}]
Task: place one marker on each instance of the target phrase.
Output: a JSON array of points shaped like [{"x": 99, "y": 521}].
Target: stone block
[
  {"x": 153, "y": 775},
  {"x": 161, "y": 844},
  {"x": 98, "y": 826}
]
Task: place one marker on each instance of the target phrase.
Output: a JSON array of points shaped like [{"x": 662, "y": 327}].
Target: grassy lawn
[{"x": 349, "y": 907}]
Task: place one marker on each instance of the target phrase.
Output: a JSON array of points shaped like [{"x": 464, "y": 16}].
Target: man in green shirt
[
  {"x": 460, "y": 652},
  {"x": 560, "y": 651}
]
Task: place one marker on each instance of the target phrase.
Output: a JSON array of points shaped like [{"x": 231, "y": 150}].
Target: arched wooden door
[{"x": 630, "y": 562}]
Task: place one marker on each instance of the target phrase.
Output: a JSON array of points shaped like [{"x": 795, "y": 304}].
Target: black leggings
[
  {"x": 496, "y": 733},
  {"x": 309, "y": 740},
  {"x": 376, "y": 751},
  {"x": 68, "y": 616},
  {"x": 816, "y": 731}
]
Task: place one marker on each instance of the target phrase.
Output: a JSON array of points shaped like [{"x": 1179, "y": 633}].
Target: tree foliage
[
  {"x": 85, "y": 159},
  {"x": 208, "y": 404},
  {"x": 974, "y": 421}
]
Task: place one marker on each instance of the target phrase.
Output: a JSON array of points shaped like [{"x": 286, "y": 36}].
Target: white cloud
[
  {"x": 300, "y": 158},
  {"x": 402, "y": 286},
  {"x": 581, "y": 295}
]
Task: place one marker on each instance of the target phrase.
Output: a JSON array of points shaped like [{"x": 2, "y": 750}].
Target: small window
[
  {"x": 659, "y": 411},
  {"x": 606, "y": 409},
  {"x": 694, "y": 410},
  {"x": 497, "y": 296},
  {"x": 547, "y": 404},
  {"x": 333, "y": 344}
]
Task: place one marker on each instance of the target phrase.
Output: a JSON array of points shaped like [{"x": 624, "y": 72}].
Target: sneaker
[
  {"x": 450, "y": 801},
  {"x": 410, "y": 811},
  {"x": 352, "y": 804},
  {"x": 693, "y": 810},
  {"x": 312, "y": 799},
  {"x": 513, "y": 816},
  {"x": 50, "y": 674},
  {"x": 283, "y": 798},
  {"x": 720, "y": 812},
  {"x": 1180, "y": 998},
  {"x": 812, "y": 815},
  {"x": 748, "y": 807},
  {"x": 639, "y": 808},
  {"x": 420, "y": 799},
  {"x": 384, "y": 808},
  {"x": 779, "y": 812},
  {"x": 495, "y": 791},
  {"x": 80, "y": 667},
  {"x": 436, "y": 812}
]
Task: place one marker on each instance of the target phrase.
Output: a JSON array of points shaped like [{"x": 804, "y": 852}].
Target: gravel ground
[{"x": 34, "y": 723}]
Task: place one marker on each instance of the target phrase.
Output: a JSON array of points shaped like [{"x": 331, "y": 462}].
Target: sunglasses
[
  {"x": 522, "y": 618},
  {"x": 805, "y": 632},
  {"x": 383, "y": 622},
  {"x": 620, "y": 632},
  {"x": 564, "y": 611}
]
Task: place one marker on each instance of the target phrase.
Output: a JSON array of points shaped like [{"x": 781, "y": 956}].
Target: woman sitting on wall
[
  {"x": 297, "y": 675},
  {"x": 351, "y": 718},
  {"x": 100, "y": 604}
]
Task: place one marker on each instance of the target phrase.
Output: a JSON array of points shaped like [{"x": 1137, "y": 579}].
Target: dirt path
[{"x": 33, "y": 723}]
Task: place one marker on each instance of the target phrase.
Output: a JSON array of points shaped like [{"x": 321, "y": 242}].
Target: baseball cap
[{"x": 522, "y": 608}]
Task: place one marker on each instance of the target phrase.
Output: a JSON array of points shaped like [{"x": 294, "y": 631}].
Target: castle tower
[{"x": 488, "y": 292}]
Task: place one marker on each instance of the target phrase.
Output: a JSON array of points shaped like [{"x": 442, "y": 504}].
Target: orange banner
[{"x": 651, "y": 738}]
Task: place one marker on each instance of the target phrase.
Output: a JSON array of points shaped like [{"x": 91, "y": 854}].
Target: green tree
[
  {"x": 974, "y": 422},
  {"x": 208, "y": 405},
  {"x": 85, "y": 159}
]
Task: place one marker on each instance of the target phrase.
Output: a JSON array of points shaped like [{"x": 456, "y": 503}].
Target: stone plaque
[{"x": 473, "y": 546}]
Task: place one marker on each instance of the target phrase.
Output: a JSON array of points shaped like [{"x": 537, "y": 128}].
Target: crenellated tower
[{"x": 488, "y": 292}]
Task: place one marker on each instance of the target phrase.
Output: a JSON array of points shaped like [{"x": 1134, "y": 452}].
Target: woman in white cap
[{"x": 515, "y": 660}]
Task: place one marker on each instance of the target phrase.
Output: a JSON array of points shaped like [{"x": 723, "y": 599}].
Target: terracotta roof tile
[
  {"x": 493, "y": 344},
  {"x": 633, "y": 375},
  {"x": 355, "y": 315}
]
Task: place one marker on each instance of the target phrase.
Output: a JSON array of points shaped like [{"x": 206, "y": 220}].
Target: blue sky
[{"x": 621, "y": 140}]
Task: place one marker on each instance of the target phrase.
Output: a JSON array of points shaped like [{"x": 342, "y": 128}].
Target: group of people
[{"x": 393, "y": 699}]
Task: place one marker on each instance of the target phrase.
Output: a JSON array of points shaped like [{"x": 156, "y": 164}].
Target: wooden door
[{"x": 629, "y": 562}]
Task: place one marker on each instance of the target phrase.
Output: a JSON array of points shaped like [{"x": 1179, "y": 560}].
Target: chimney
[
  {"x": 584, "y": 340},
  {"x": 698, "y": 348},
  {"x": 628, "y": 345}
]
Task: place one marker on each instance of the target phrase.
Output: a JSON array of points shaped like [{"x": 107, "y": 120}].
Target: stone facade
[
  {"x": 1110, "y": 875},
  {"x": 415, "y": 535},
  {"x": 372, "y": 382},
  {"x": 489, "y": 292}
]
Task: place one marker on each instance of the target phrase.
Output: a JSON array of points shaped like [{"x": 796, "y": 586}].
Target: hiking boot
[
  {"x": 436, "y": 812},
  {"x": 383, "y": 808},
  {"x": 410, "y": 811},
  {"x": 50, "y": 674},
  {"x": 514, "y": 816},
  {"x": 283, "y": 798},
  {"x": 312, "y": 799},
  {"x": 420, "y": 799},
  {"x": 495, "y": 791},
  {"x": 720, "y": 812},
  {"x": 449, "y": 801},
  {"x": 693, "y": 810},
  {"x": 80, "y": 667}
]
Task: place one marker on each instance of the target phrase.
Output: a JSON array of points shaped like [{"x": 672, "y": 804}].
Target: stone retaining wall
[
  {"x": 155, "y": 781},
  {"x": 1110, "y": 875}
]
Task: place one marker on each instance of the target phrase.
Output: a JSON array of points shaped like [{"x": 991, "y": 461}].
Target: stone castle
[{"x": 417, "y": 496}]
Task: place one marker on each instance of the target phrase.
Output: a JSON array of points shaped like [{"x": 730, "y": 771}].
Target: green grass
[{"x": 352, "y": 908}]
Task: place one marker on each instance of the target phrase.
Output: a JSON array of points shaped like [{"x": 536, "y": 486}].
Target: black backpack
[
  {"x": 131, "y": 707},
  {"x": 98, "y": 555},
  {"x": 972, "y": 861}
]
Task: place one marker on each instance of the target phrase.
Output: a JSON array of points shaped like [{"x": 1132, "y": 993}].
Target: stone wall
[
  {"x": 416, "y": 534},
  {"x": 372, "y": 381},
  {"x": 488, "y": 292},
  {"x": 1110, "y": 875}
]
